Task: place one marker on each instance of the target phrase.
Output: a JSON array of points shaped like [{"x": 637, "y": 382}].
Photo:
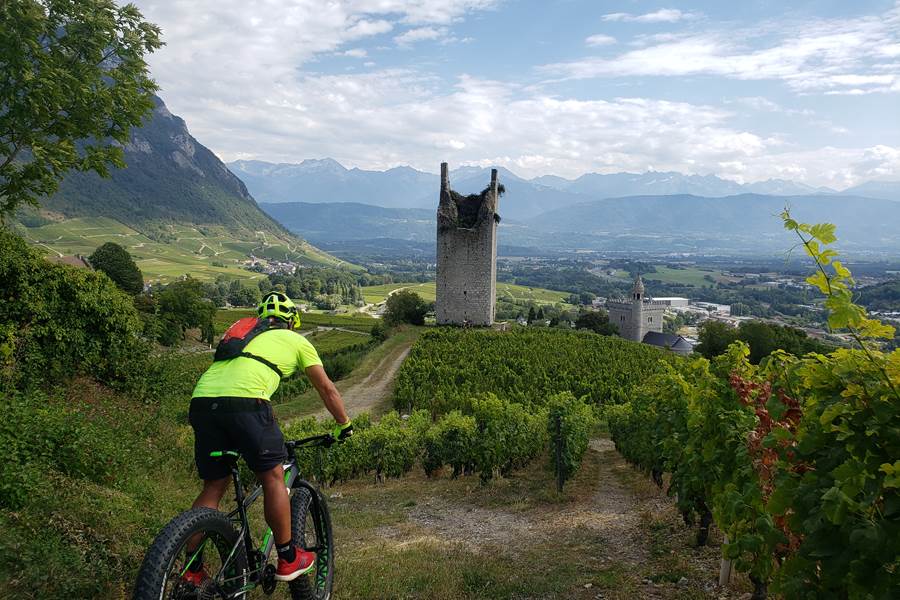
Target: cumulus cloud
[
  {"x": 356, "y": 53},
  {"x": 664, "y": 15},
  {"x": 831, "y": 56},
  {"x": 243, "y": 76},
  {"x": 600, "y": 40},
  {"x": 410, "y": 37}
]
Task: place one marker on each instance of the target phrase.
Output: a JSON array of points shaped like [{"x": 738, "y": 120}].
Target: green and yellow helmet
[{"x": 278, "y": 305}]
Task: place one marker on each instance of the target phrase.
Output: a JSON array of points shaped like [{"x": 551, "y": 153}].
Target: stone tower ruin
[{"x": 466, "y": 254}]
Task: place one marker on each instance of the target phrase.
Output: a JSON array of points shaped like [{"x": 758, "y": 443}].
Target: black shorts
[{"x": 243, "y": 424}]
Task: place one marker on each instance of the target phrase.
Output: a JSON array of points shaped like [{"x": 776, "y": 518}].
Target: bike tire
[
  {"x": 304, "y": 518},
  {"x": 169, "y": 544}
]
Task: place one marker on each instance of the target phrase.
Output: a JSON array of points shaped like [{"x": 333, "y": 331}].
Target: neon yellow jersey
[{"x": 244, "y": 377}]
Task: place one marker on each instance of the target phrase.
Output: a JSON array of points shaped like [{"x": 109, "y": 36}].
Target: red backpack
[{"x": 239, "y": 335}]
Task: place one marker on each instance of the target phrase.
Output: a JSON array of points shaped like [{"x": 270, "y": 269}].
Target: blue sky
[{"x": 760, "y": 89}]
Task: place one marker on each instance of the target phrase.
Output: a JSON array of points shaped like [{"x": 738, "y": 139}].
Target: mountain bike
[{"x": 235, "y": 565}]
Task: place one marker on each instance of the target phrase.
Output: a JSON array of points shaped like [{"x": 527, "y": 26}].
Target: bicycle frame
[{"x": 257, "y": 558}]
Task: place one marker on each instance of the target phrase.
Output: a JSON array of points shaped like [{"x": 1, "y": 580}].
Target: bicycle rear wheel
[
  {"x": 160, "y": 577},
  {"x": 311, "y": 525}
]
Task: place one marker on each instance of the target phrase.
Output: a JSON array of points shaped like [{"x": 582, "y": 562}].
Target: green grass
[
  {"x": 390, "y": 554},
  {"x": 521, "y": 293},
  {"x": 375, "y": 294},
  {"x": 505, "y": 291},
  {"x": 330, "y": 341},
  {"x": 357, "y": 322},
  {"x": 192, "y": 251}
]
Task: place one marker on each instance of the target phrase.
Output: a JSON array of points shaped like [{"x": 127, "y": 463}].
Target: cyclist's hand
[{"x": 342, "y": 431}]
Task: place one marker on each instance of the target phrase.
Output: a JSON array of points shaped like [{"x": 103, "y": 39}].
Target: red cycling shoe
[{"x": 302, "y": 564}]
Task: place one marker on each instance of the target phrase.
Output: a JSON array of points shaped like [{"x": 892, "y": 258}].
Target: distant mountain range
[
  {"x": 739, "y": 221},
  {"x": 342, "y": 221},
  {"x": 744, "y": 223},
  {"x": 327, "y": 181}
]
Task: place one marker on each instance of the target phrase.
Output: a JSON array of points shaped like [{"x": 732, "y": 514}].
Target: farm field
[
  {"x": 192, "y": 250},
  {"x": 334, "y": 340},
  {"x": 505, "y": 291},
  {"x": 375, "y": 294},
  {"x": 361, "y": 323},
  {"x": 687, "y": 276}
]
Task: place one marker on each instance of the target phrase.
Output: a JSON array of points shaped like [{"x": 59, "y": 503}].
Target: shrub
[
  {"x": 57, "y": 321},
  {"x": 509, "y": 436},
  {"x": 392, "y": 446},
  {"x": 451, "y": 441},
  {"x": 569, "y": 425}
]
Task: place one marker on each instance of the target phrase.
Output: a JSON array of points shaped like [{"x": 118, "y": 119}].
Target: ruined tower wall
[{"x": 466, "y": 259}]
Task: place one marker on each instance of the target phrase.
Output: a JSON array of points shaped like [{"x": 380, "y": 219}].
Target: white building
[{"x": 674, "y": 301}]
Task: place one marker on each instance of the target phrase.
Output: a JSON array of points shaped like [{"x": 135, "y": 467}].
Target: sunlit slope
[
  {"x": 505, "y": 291},
  {"x": 175, "y": 204},
  {"x": 204, "y": 252}
]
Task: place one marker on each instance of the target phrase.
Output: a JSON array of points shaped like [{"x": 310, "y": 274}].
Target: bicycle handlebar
[{"x": 325, "y": 440}]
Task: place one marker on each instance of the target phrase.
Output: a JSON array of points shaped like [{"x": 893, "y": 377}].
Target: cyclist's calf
[{"x": 276, "y": 504}]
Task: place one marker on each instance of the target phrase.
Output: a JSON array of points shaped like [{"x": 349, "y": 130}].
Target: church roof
[
  {"x": 638, "y": 285},
  {"x": 667, "y": 340}
]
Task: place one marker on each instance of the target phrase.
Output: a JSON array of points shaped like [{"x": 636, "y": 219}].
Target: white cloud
[
  {"x": 664, "y": 15},
  {"x": 600, "y": 40},
  {"x": 420, "y": 34},
  {"x": 356, "y": 53},
  {"x": 241, "y": 75},
  {"x": 366, "y": 28},
  {"x": 836, "y": 56}
]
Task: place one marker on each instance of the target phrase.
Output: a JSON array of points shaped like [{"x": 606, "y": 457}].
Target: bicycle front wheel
[
  {"x": 311, "y": 525},
  {"x": 162, "y": 574}
]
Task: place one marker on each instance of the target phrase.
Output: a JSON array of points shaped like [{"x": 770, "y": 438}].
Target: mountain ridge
[
  {"x": 172, "y": 183},
  {"x": 405, "y": 187},
  {"x": 682, "y": 223}
]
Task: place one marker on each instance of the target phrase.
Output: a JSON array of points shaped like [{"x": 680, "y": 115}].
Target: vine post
[
  {"x": 725, "y": 569},
  {"x": 558, "y": 442}
]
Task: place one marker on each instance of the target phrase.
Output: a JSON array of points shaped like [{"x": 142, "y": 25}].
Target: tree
[
  {"x": 597, "y": 321},
  {"x": 116, "y": 262},
  {"x": 531, "y": 315},
  {"x": 715, "y": 336},
  {"x": 74, "y": 83},
  {"x": 240, "y": 295},
  {"x": 379, "y": 332},
  {"x": 540, "y": 313},
  {"x": 182, "y": 303},
  {"x": 405, "y": 306}
]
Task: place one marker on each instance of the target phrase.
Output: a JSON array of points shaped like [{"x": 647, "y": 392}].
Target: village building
[{"x": 640, "y": 319}]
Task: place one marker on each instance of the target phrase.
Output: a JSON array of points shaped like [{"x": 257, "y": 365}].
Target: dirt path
[
  {"x": 621, "y": 533},
  {"x": 368, "y": 394},
  {"x": 614, "y": 511},
  {"x": 610, "y": 513}
]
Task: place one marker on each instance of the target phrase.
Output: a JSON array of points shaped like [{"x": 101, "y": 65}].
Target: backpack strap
[{"x": 264, "y": 361}]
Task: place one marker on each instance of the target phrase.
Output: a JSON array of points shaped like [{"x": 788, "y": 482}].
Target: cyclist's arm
[{"x": 328, "y": 392}]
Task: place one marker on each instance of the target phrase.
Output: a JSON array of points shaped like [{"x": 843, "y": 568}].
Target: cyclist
[{"x": 230, "y": 410}]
